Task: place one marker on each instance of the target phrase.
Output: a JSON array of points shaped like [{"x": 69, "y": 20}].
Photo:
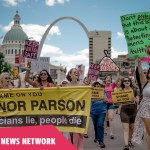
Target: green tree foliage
[{"x": 4, "y": 67}]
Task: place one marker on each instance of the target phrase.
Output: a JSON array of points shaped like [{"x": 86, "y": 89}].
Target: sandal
[
  {"x": 112, "y": 137},
  {"x": 101, "y": 145},
  {"x": 130, "y": 144},
  {"x": 126, "y": 147}
]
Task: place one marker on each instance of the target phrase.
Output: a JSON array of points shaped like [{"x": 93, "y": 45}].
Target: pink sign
[
  {"x": 31, "y": 49},
  {"x": 108, "y": 65},
  {"x": 45, "y": 137},
  {"x": 93, "y": 71},
  {"x": 145, "y": 59}
]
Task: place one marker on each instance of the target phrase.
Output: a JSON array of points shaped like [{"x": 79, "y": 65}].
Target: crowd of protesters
[{"x": 134, "y": 117}]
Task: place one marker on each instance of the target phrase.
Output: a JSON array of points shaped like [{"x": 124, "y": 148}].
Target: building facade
[{"x": 98, "y": 42}]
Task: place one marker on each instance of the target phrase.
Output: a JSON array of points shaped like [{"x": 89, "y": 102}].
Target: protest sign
[
  {"x": 81, "y": 69},
  {"x": 136, "y": 28},
  {"x": 31, "y": 49},
  {"x": 93, "y": 71},
  {"x": 98, "y": 93},
  {"x": 15, "y": 72},
  {"x": 145, "y": 59},
  {"x": 66, "y": 108},
  {"x": 123, "y": 97},
  {"x": 19, "y": 60},
  {"x": 39, "y": 64},
  {"x": 108, "y": 65}
]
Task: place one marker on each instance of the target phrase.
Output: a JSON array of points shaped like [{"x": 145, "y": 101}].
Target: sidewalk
[{"x": 115, "y": 144}]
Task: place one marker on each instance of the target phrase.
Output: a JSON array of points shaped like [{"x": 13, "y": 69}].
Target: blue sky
[{"x": 67, "y": 44}]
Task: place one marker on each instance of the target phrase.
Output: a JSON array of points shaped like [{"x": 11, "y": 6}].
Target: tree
[{"x": 4, "y": 66}]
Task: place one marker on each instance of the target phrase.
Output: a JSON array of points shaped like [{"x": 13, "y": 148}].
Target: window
[
  {"x": 6, "y": 51},
  {"x": 19, "y": 51},
  {"x": 12, "y": 51},
  {"x": 15, "y": 51},
  {"x": 9, "y": 51}
]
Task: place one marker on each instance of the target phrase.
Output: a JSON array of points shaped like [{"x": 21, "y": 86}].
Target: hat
[{"x": 64, "y": 81}]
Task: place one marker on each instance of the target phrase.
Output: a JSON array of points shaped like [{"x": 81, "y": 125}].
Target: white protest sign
[
  {"x": 81, "y": 69},
  {"x": 39, "y": 64}
]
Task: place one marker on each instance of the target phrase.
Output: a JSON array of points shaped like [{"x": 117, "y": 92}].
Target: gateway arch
[{"x": 52, "y": 24}]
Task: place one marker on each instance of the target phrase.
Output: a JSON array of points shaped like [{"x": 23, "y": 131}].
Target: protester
[
  {"x": 73, "y": 78},
  {"x": 128, "y": 113},
  {"x": 64, "y": 83},
  {"x": 98, "y": 113},
  {"x": 44, "y": 79},
  {"x": 109, "y": 88},
  {"x": 143, "y": 113},
  {"x": 86, "y": 82}
]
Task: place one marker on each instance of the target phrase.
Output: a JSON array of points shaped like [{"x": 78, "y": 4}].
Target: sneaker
[
  {"x": 95, "y": 140},
  {"x": 126, "y": 147},
  {"x": 130, "y": 144},
  {"x": 85, "y": 136},
  {"x": 101, "y": 145},
  {"x": 112, "y": 137}
]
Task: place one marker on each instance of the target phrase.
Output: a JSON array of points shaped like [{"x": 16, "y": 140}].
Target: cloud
[
  {"x": 120, "y": 35},
  {"x": 54, "y": 2},
  {"x": 115, "y": 53},
  {"x": 31, "y": 30},
  {"x": 9, "y": 3}
]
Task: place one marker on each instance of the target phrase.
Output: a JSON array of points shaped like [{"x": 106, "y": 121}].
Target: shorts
[{"x": 110, "y": 106}]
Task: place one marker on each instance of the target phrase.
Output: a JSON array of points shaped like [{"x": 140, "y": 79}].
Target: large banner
[
  {"x": 136, "y": 28},
  {"x": 123, "y": 97},
  {"x": 66, "y": 108}
]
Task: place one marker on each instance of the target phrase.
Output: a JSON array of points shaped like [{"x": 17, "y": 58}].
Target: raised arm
[
  {"x": 141, "y": 73},
  {"x": 19, "y": 81},
  {"x": 117, "y": 77},
  {"x": 27, "y": 75}
]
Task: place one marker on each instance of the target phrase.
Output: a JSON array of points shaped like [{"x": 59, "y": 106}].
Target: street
[{"x": 116, "y": 144}]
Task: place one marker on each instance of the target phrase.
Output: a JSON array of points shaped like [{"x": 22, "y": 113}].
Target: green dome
[{"x": 15, "y": 35}]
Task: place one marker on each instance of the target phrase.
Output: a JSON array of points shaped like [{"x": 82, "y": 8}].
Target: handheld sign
[
  {"x": 81, "y": 69},
  {"x": 108, "y": 65},
  {"x": 15, "y": 72},
  {"x": 123, "y": 97},
  {"x": 136, "y": 28},
  {"x": 93, "y": 71},
  {"x": 98, "y": 93},
  {"x": 31, "y": 49}
]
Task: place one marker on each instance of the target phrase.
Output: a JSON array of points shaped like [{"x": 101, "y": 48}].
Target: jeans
[{"x": 98, "y": 122}]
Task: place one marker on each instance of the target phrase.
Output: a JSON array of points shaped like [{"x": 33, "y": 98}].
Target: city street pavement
[{"x": 115, "y": 144}]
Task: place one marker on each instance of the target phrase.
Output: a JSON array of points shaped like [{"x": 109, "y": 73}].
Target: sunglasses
[
  {"x": 41, "y": 74},
  {"x": 126, "y": 81},
  {"x": 7, "y": 78},
  {"x": 64, "y": 83}
]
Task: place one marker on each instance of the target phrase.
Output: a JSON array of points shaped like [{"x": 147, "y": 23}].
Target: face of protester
[
  {"x": 97, "y": 85},
  {"x": 43, "y": 75},
  {"x": 86, "y": 81},
  {"x": 108, "y": 80},
  {"x": 64, "y": 83},
  {"x": 6, "y": 80},
  {"x": 35, "y": 78},
  {"x": 126, "y": 82},
  {"x": 74, "y": 74},
  {"x": 118, "y": 84}
]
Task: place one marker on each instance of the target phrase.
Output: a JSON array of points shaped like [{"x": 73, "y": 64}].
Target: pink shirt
[{"x": 109, "y": 88}]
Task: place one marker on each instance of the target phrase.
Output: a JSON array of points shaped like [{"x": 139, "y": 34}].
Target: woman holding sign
[
  {"x": 44, "y": 78},
  {"x": 98, "y": 114},
  {"x": 73, "y": 78},
  {"x": 128, "y": 113},
  {"x": 143, "y": 113}
]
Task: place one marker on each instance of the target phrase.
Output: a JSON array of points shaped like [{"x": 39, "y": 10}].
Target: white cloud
[
  {"x": 115, "y": 53},
  {"x": 120, "y": 35},
  {"x": 54, "y": 2},
  {"x": 9, "y": 3},
  {"x": 31, "y": 30}
]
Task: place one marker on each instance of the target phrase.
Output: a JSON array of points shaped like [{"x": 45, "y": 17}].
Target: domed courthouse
[{"x": 14, "y": 40}]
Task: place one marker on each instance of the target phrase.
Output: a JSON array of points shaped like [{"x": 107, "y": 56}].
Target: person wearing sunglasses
[
  {"x": 128, "y": 113},
  {"x": 6, "y": 82},
  {"x": 44, "y": 79},
  {"x": 143, "y": 114}
]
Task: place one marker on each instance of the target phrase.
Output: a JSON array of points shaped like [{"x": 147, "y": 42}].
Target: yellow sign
[
  {"x": 98, "y": 93},
  {"x": 15, "y": 72},
  {"x": 67, "y": 108},
  {"x": 123, "y": 97}
]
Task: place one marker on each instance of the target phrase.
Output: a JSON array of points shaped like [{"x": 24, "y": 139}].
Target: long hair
[
  {"x": 147, "y": 75},
  {"x": 122, "y": 84},
  {"x": 68, "y": 77},
  {"x": 49, "y": 78}
]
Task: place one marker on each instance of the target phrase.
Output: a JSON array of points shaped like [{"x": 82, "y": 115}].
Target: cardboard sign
[
  {"x": 42, "y": 63},
  {"x": 137, "y": 33},
  {"x": 98, "y": 93},
  {"x": 93, "y": 71},
  {"x": 123, "y": 97},
  {"x": 31, "y": 49},
  {"x": 81, "y": 69},
  {"x": 108, "y": 65},
  {"x": 15, "y": 72}
]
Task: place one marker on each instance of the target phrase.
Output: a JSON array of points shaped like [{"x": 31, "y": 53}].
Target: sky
[{"x": 67, "y": 43}]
